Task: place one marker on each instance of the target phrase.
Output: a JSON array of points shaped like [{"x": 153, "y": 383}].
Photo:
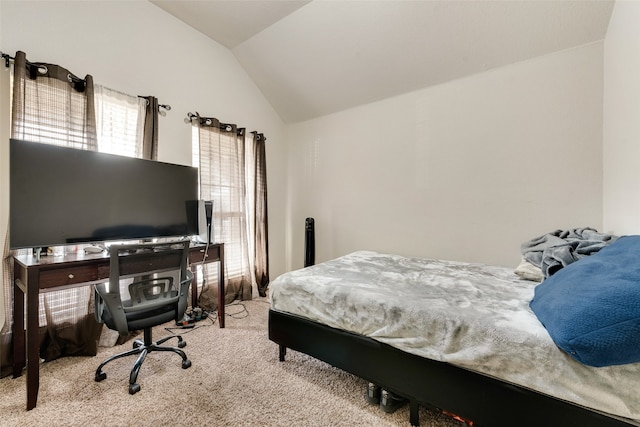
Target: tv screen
[{"x": 63, "y": 196}]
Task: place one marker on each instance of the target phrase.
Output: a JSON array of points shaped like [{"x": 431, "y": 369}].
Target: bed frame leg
[
  {"x": 282, "y": 353},
  {"x": 414, "y": 417}
]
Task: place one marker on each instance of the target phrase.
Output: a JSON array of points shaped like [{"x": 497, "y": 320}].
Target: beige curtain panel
[{"x": 51, "y": 105}]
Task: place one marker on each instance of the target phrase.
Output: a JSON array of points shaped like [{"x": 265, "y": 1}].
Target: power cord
[{"x": 240, "y": 314}]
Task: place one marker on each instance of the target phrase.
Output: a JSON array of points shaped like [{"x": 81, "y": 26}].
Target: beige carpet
[{"x": 236, "y": 380}]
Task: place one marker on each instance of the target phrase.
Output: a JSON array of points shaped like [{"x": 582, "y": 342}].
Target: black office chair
[{"x": 155, "y": 298}]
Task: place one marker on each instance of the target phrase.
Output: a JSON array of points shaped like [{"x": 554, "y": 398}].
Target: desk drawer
[
  {"x": 69, "y": 276},
  {"x": 196, "y": 254}
]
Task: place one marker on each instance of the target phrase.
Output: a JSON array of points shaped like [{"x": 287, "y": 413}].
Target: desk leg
[
  {"x": 33, "y": 356},
  {"x": 18, "y": 329},
  {"x": 194, "y": 287},
  {"x": 221, "y": 288},
  {"x": 32, "y": 341}
]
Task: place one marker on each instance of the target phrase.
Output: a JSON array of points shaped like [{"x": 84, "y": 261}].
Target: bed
[{"x": 459, "y": 337}]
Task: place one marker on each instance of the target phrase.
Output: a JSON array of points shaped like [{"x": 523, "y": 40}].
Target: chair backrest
[{"x": 156, "y": 296}]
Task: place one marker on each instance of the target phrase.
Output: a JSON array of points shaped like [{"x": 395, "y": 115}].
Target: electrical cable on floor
[
  {"x": 183, "y": 330},
  {"x": 241, "y": 314}
]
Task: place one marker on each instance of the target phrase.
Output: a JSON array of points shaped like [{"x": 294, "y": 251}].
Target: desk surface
[
  {"x": 31, "y": 260},
  {"x": 75, "y": 269},
  {"x": 81, "y": 256}
]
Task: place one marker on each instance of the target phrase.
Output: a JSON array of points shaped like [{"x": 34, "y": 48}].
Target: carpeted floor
[{"x": 235, "y": 380}]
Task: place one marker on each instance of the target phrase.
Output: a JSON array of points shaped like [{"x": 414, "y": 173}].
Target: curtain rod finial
[{"x": 190, "y": 117}]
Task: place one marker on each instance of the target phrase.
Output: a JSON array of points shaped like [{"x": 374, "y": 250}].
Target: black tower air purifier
[{"x": 309, "y": 242}]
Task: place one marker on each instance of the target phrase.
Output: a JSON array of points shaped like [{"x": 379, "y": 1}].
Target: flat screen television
[{"x": 64, "y": 196}]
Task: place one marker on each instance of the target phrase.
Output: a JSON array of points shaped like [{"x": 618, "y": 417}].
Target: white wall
[
  {"x": 467, "y": 170},
  {"x": 4, "y": 165},
  {"x": 137, "y": 48},
  {"x": 621, "y": 141}
]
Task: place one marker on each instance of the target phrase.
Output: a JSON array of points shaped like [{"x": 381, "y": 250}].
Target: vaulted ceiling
[{"x": 313, "y": 58}]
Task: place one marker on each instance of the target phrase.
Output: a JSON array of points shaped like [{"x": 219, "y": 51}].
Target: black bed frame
[{"x": 486, "y": 401}]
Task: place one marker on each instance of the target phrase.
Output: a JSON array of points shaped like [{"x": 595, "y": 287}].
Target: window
[
  {"x": 119, "y": 126},
  {"x": 119, "y": 122},
  {"x": 213, "y": 185},
  {"x": 53, "y": 116},
  {"x": 218, "y": 152}
]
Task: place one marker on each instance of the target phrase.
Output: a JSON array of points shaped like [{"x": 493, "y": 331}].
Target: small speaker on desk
[{"x": 200, "y": 218}]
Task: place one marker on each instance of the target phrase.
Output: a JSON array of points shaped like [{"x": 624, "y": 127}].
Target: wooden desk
[{"x": 58, "y": 272}]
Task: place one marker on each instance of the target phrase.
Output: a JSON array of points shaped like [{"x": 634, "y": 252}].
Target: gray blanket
[
  {"x": 471, "y": 315},
  {"x": 557, "y": 249}
]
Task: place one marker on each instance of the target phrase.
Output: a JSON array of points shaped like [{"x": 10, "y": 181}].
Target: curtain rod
[
  {"x": 161, "y": 107},
  {"x": 42, "y": 67},
  {"x": 223, "y": 126},
  {"x": 209, "y": 121},
  {"x": 8, "y": 59}
]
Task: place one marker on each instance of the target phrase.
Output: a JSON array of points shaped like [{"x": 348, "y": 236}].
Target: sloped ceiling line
[{"x": 313, "y": 58}]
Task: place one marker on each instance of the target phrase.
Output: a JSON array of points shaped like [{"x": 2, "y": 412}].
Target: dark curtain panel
[
  {"x": 6, "y": 355},
  {"x": 150, "y": 138},
  {"x": 52, "y": 105},
  {"x": 261, "y": 236}
]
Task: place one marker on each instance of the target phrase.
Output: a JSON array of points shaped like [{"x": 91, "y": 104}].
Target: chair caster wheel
[
  {"x": 101, "y": 376},
  {"x": 186, "y": 364},
  {"x": 137, "y": 343},
  {"x": 134, "y": 388},
  {"x": 182, "y": 344}
]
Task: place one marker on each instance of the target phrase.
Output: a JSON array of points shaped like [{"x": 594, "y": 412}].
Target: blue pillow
[{"x": 591, "y": 308}]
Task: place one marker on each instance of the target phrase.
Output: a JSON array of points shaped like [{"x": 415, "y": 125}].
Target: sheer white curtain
[
  {"x": 51, "y": 105},
  {"x": 119, "y": 128},
  {"x": 6, "y": 79},
  {"x": 119, "y": 122}
]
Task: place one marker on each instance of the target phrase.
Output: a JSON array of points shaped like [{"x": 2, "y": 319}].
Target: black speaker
[
  {"x": 309, "y": 242},
  {"x": 200, "y": 219},
  {"x": 208, "y": 220}
]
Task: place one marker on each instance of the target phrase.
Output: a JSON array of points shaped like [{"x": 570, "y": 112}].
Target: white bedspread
[{"x": 471, "y": 315}]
